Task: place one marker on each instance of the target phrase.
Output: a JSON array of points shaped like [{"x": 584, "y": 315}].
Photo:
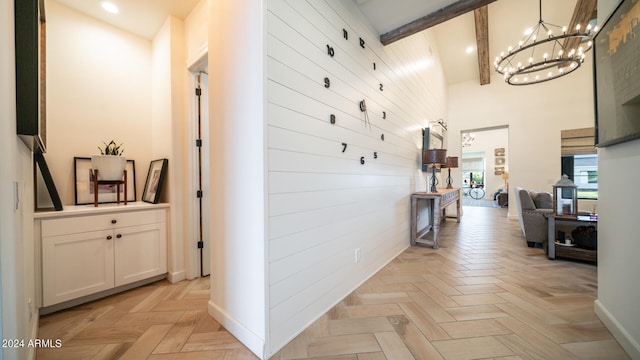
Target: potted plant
[{"x": 110, "y": 163}]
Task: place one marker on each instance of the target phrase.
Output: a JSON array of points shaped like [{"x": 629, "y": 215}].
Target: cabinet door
[
  {"x": 140, "y": 252},
  {"x": 76, "y": 265}
]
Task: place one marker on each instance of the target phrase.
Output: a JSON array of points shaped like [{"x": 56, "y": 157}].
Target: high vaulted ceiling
[
  {"x": 455, "y": 33},
  {"x": 456, "y": 37}
]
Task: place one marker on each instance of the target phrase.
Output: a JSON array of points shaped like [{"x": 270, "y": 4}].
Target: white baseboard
[
  {"x": 176, "y": 276},
  {"x": 628, "y": 343},
  {"x": 252, "y": 341}
]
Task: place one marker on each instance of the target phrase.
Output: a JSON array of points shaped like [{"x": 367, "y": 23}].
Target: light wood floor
[{"x": 483, "y": 295}]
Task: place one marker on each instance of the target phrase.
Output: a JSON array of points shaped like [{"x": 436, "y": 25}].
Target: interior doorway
[
  {"x": 200, "y": 173},
  {"x": 484, "y": 165}
]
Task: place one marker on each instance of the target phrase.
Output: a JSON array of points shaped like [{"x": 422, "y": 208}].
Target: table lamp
[
  {"x": 434, "y": 158},
  {"x": 450, "y": 162},
  {"x": 505, "y": 177}
]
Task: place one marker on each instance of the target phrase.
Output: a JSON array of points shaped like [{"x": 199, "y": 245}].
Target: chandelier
[
  {"x": 546, "y": 52},
  {"x": 467, "y": 139}
]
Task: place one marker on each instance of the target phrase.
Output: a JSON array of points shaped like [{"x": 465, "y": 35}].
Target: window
[
  {"x": 583, "y": 171},
  {"x": 580, "y": 161},
  {"x": 473, "y": 168}
]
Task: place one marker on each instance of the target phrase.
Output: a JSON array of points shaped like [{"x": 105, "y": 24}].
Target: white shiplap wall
[{"x": 322, "y": 202}]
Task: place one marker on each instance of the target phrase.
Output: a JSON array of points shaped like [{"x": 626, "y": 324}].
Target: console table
[
  {"x": 572, "y": 252},
  {"x": 438, "y": 202}
]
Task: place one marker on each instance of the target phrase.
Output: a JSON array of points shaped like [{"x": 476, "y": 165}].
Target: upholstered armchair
[{"x": 533, "y": 209}]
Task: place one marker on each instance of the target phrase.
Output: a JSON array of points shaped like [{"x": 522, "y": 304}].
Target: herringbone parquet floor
[{"x": 483, "y": 295}]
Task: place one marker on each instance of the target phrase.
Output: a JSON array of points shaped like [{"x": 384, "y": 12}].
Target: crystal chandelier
[
  {"x": 467, "y": 139},
  {"x": 546, "y": 52}
]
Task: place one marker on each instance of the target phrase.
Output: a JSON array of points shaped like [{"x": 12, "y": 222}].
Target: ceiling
[
  {"x": 141, "y": 17},
  {"x": 507, "y": 21}
]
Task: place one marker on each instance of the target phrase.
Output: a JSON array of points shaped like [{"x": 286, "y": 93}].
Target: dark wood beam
[
  {"x": 584, "y": 11},
  {"x": 435, "y": 18},
  {"x": 481, "y": 17}
]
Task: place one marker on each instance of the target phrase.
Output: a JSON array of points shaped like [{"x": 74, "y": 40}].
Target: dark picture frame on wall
[
  {"x": 155, "y": 179},
  {"x": 83, "y": 184},
  {"x": 30, "y": 57},
  {"x": 617, "y": 77}
]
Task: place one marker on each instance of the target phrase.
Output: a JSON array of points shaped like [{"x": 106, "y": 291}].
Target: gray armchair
[{"x": 533, "y": 209}]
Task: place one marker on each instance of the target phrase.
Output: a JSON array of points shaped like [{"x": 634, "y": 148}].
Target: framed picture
[
  {"x": 499, "y": 152},
  {"x": 155, "y": 179},
  {"x": 499, "y": 161},
  {"x": 30, "y": 60},
  {"x": 617, "y": 76},
  {"x": 498, "y": 170},
  {"x": 83, "y": 181}
]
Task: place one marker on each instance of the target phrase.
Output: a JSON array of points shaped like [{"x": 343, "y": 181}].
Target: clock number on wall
[
  {"x": 381, "y": 87},
  {"x": 332, "y": 119},
  {"x": 362, "y": 160},
  {"x": 327, "y": 82},
  {"x": 374, "y": 66},
  {"x": 345, "y": 34},
  {"x": 375, "y": 154},
  {"x": 344, "y": 147},
  {"x": 330, "y": 50},
  {"x": 382, "y": 137},
  {"x": 384, "y": 114},
  {"x": 362, "y": 43}
]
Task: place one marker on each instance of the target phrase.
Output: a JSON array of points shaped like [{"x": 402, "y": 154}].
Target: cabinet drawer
[{"x": 79, "y": 224}]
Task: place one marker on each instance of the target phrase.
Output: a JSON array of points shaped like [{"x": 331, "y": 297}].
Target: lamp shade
[
  {"x": 434, "y": 157},
  {"x": 452, "y": 161},
  {"x": 505, "y": 175}
]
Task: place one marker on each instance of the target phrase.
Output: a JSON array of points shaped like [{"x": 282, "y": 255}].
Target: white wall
[
  {"x": 322, "y": 203},
  {"x": 535, "y": 115},
  {"x": 618, "y": 248},
  {"x": 18, "y": 312},
  {"x": 169, "y": 138},
  {"x": 98, "y": 89},
  {"x": 237, "y": 160}
]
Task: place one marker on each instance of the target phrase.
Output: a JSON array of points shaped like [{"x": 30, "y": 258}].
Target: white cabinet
[{"x": 88, "y": 253}]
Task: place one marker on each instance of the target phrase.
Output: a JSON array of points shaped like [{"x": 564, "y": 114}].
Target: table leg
[
  {"x": 414, "y": 220},
  {"x": 551, "y": 246},
  {"x": 436, "y": 220}
]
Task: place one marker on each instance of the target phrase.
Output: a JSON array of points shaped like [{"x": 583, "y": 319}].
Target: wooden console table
[{"x": 438, "y": 202}]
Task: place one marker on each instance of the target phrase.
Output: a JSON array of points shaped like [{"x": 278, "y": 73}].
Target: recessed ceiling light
[{"x": 110, "y": 7}]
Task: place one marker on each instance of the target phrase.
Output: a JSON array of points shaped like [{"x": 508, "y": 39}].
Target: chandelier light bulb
[
  {"x": 564, "y": 29},
  {"x": 545, "y": 56},
  {"x": 578, "y": 27}
]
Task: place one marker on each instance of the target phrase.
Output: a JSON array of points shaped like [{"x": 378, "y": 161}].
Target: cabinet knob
[
  {"x": 109, "y": 237},
  {"x": 119, "y": 236},
  {"x": 114, "y": 221}
]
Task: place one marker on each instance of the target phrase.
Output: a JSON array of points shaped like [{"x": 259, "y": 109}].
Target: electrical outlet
[{"x": 357, "y": 255}]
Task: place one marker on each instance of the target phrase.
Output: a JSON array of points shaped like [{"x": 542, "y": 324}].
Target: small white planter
[{"x": 110, "y": 168}]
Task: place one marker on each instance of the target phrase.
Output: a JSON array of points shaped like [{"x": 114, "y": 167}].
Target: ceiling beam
[
  {"x": 447, "y": 13},
  {"x": 584, "y": 11},
  {"x": 481, "y": 17}
]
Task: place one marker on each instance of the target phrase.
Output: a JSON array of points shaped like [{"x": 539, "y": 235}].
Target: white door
[{"x": 205, "y": 174}]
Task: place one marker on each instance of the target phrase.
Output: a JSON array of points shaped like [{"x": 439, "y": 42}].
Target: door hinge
[
  {"x": 198, "y": 142},
  {"x": 200, "y": 244},
  {"x": 198, "y": 91},
  {"x": 199, "y": 193}
]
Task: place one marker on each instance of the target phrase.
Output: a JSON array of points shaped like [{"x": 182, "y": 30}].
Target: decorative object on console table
[
  {"x": 155, "y": 179},
  {"x": 451, "y": 162},
  {"x": 505, "y": 177},
  {"x": 434, "y": 158},
  {"x": 565, "y": 197},
  {"x": 84, "y": 184}
]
